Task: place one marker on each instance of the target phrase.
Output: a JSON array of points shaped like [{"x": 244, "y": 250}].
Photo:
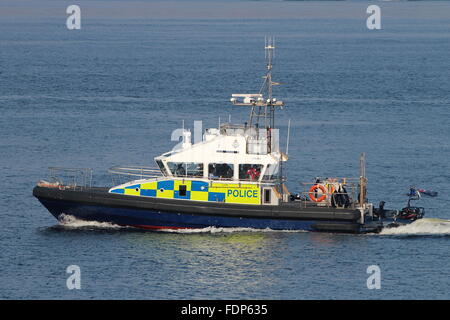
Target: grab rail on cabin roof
[
  {"x": 123, "y": 174},
  {"x": 136, "y": 171}
]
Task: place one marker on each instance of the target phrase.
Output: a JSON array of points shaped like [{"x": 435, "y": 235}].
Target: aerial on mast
[
  {"x": 269, "y": 50},
  {"x": 263, "y": 104}
]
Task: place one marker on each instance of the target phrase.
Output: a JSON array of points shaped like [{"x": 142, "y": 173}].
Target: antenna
[
  {"x": 268, "y": 112},
  {"x": 287, "y": 139},
  {"x": 270, "y": 49},
  {"x": 182, "y": 124},
  {"x": 362, "y": 179}
]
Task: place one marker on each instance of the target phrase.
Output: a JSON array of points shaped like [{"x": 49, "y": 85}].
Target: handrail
[
  {"x": 119, "y": 173},
  {"x": 351, "y": 184},
  {"x": 136, "y": 171},
  {"x": 305, "y": 202},
  {"x": 68, "y": 178},
  {"x": 344, "y": 180}
]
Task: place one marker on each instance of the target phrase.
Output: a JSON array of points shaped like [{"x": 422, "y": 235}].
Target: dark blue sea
[{"x": 112, "y": 92}]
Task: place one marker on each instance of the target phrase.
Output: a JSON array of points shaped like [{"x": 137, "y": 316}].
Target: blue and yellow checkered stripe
[{"x": 195, "y": 190}]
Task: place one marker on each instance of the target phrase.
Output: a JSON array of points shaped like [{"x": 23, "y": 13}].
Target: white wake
[
  {"x": 225, "y": 230},
  {"x": 68, "y": 221},
  {"x": 425, "y": 226}
]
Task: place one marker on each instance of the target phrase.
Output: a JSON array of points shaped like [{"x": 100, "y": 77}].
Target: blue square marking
[
  {"x": 216, "y": 196},
  {"x": 166, "y": 185},
  {"x": 148, "y": 193}
]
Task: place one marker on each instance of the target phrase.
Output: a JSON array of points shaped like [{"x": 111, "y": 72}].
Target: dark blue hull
[
  {"x": 150, "y": 213},
  {"x": 165, "y": 220}
]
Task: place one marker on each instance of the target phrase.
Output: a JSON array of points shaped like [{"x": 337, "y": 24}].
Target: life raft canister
[{"x": 312, "y": 192}]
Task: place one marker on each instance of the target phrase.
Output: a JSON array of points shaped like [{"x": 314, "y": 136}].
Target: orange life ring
[{"x": 312, "y": 191}]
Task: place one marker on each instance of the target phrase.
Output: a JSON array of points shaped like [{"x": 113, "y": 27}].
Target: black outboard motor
[{"x": 409, "y": 212}]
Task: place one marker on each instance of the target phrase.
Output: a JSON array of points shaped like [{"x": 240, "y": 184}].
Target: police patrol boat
[{"x": 231, "y": 178}]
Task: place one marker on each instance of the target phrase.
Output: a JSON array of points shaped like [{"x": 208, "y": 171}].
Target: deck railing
[
  {"x": 331, "y": 197},
  {"x": 68, "y": 178},
  {"x": 122, "y": 174}
]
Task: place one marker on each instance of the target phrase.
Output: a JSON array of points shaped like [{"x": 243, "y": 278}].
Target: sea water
[{"x": 112, "y": 92}]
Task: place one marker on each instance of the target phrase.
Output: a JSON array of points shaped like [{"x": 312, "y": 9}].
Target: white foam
[
  {"x": 225, "y": 230},
  {"x": 426, "y": 226},
  {"x": 69, "y": 221}
]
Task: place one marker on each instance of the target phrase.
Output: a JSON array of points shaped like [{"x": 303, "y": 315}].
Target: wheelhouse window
[
  {"x": 266, "y": 195},
  {"x": 186, "y": 169},
  {"x": 161, "y": 167},
  {"x": 221, "y": 171},
  {"x": 271, "y": 172},
  {"x": 250, "y": 172}
]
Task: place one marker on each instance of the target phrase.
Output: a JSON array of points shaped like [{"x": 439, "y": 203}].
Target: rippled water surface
[{"x": 112, "y": 92}]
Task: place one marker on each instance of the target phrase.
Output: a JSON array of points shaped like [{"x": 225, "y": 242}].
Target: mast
[
  {"x": 362, "y": 179},
  {"x": 266, "y": 111},
  {"x": 263, "y": 104},
  {"x": 262, "y": 113}
]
